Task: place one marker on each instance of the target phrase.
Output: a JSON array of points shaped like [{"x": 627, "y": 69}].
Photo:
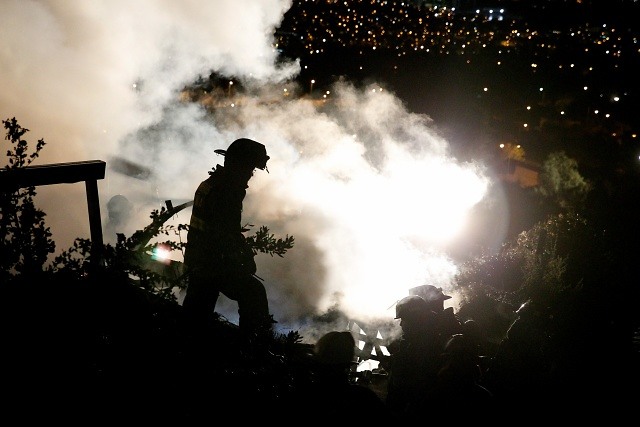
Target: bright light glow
[
  {"x": 387, "y": 222},
  {"x": 453, "y": 191},
  {"x": 427, "y": 200},
  {"x": 161, "y": 253}
]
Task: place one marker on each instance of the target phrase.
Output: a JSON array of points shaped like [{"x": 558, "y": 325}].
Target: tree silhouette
[
  {"x": 562, "y": 184},
  {"x": 25, "y": 239}
]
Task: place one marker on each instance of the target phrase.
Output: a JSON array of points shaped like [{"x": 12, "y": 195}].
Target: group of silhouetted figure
[{"x": 440, "y": 369}]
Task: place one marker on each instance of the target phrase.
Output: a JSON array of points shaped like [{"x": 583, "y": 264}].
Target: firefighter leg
[{"x": 253, "y": 306}]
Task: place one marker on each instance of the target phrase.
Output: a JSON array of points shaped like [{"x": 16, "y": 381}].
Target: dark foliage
[{"x": 25, "y": 240}]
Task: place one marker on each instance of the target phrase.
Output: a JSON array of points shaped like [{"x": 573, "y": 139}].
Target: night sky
[{"x": 475, "y": 71}]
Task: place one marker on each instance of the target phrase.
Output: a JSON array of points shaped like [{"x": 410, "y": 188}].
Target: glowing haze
[{"x": 369, "y": 190}]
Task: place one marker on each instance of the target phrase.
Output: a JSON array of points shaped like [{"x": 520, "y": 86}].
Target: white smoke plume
[{"x": 368, "y": 189}]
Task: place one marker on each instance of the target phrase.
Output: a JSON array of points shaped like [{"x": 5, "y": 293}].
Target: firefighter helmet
[
  {"x": 335, "y": 348},
  {"x": 430, "y": 293},
  {"x": 410, "y": 306},
  {"x": 247, "y": 151},
  {"x": 460, "y": 346}
]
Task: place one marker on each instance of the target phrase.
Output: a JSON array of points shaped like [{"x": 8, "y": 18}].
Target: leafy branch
[{"x": 267, "y": 243}]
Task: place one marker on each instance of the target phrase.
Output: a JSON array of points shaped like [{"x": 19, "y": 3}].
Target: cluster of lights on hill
[
  {"x": 595, "y": 57},
  {"x": 405, "y": 28}
]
